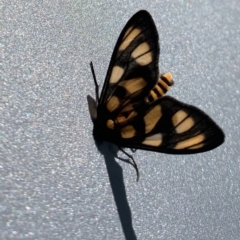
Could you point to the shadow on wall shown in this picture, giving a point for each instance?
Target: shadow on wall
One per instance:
(115, 174)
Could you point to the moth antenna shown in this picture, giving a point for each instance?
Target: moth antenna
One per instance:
(95, 82)
(133, 162)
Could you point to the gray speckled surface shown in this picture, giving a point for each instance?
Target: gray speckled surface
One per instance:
(54, 183)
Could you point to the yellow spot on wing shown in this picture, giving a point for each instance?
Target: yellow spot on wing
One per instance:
(189, 143)
(185, 125)
(133, 85)
(152, 117)
(127, 32)
(110, 124)
(154, 140)
(128, 131)
(178, 117)
(144, 59)
(113, 103)
(127, 107)
(130, 37)
(122, 119)
(142, 55)
(197, 146)
(182, 122)
(116, 74)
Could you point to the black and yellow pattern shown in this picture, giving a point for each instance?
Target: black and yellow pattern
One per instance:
(164, 83)
(133, 110)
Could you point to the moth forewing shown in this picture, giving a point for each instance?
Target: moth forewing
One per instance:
(134, 60)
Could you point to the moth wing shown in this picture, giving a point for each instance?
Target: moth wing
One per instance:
(133, 69)
(170, 126)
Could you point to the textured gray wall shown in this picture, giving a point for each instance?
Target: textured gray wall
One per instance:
(54, 183)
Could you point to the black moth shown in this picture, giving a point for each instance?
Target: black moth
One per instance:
(133, 110)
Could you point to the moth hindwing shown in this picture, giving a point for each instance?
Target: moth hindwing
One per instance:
(134, 112)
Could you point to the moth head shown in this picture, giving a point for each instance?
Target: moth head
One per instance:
(92, 106)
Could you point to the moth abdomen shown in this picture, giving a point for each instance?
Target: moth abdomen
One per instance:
(165, 81)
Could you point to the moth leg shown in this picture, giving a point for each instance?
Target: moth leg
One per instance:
(95, 82)
(133, 162)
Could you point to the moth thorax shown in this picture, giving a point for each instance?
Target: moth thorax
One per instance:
(110, 124)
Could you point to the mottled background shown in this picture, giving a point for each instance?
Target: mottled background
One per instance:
(55, 184)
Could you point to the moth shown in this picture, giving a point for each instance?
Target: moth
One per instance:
(133, 110)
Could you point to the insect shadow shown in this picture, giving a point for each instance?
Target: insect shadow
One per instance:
(115, 174)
